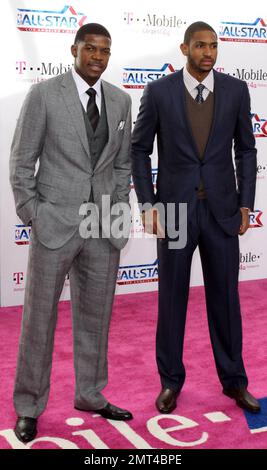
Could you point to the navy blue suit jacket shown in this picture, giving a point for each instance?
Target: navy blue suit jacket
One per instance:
(163, 114)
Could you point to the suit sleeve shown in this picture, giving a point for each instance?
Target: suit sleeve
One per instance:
(122, 164)
(245, 153)
(142, 147)
(25, 149)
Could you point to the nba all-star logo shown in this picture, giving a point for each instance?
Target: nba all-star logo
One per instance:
(138, 273)
(259, 125)
(244, 32)
(138, 77)
(255, 219)
(66, 20)
(22, 234)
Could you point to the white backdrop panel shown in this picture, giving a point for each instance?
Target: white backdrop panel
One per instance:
(36, 36)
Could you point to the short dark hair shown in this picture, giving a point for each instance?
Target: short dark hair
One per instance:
(91, 28)
(194, 27)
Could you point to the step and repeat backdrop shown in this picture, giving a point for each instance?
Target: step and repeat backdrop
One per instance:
(36, 36)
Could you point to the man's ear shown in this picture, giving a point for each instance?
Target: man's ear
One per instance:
(74, 50)
(184, 49)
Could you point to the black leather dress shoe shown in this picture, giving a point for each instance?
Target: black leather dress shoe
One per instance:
(26, 428)
(243, 398)
(166, 401)
(111, 412)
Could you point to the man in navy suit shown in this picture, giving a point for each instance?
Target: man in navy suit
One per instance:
(197, 114)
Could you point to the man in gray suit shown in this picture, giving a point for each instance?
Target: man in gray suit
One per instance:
(77, 127)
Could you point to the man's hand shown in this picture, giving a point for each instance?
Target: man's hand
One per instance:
(151, 222)
(245, 220)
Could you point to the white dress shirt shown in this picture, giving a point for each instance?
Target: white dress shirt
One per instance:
(191, 83)
(82, 87)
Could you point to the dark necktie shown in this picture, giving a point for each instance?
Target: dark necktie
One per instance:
(92, 109)
(199, 98)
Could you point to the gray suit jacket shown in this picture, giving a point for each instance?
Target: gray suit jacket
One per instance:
(51, 130)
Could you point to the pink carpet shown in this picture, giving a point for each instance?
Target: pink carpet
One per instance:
(204, 418)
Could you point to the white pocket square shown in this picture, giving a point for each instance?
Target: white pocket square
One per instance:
(121, 126)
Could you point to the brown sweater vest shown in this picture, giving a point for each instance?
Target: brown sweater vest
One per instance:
(200, 119)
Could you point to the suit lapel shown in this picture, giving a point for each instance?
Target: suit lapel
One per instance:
(72, 101)
(112, 119)
(178, 97)
(218, 110)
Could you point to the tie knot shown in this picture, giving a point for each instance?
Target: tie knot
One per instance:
(91, 92)
(200, 87)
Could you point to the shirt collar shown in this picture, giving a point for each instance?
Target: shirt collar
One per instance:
(191, 83)
(82, 85)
